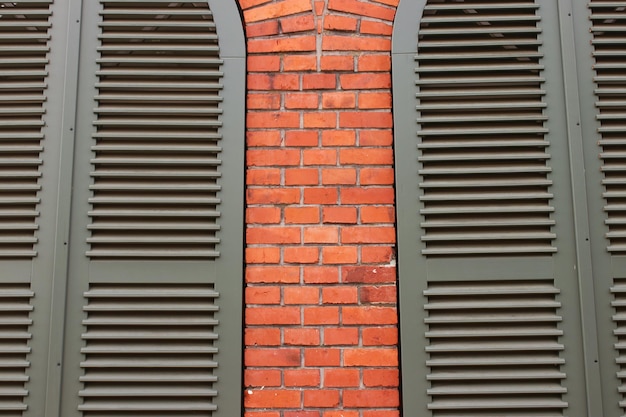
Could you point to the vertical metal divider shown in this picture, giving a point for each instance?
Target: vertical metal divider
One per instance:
(581, 216)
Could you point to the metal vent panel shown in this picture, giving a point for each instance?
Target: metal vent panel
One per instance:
(484, 172)
(494, 349)
(15, 321)
(619, 320)
(608, 27)
(156, 154)
(149, 350)
(24, 47)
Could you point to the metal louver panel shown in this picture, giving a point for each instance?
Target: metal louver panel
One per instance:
(15, 308)
(619, 319)
(609, 36)
(156, 152)
(494, 349)
(483, 155)
(24, 27)
(149, 349)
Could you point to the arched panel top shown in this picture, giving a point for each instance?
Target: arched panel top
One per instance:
(406, 26)
(231, 35)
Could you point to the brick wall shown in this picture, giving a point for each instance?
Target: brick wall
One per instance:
(321, 319)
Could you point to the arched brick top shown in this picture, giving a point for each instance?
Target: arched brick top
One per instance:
(321, 319)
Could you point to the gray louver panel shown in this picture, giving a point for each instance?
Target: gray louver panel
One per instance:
(494, 349)
(619, 319)
(483, 156)
(23, 60)
(156, 153)
(609, 38)
(15, 308)
(149, 349)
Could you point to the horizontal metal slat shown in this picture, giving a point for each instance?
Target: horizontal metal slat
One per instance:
(147, 392)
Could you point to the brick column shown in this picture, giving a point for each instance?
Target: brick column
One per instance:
(321, 319)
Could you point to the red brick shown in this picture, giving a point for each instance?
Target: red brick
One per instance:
(321, 315)
(339, 255)
(364, 119)
(322, 357)
(368, 274)
(338, 138)
(261, 414)
(246, 4)
(297, 24)
(370, 398)
(272, 357)
(273, 157)
(378, 294)
(272, 196)
(301, 413)
(346, 215)
(301, 255)
(319, 157)
(370, 357)
(272, 398)
(337, 63)
(321, 398)
(339, 100)
(263, 295)
(341, 378)
(263, 101)
(348, 336)
(366, 156)
(301, 101)
(263, 63)
(262, 337)
(349, 43)
(369, 315)
(260, 235)
(360, 8)
(380, 336)
(320, 275)
(374, 62)
(301, 138)
(301, 295)
(343, 23)
(375, 138)
(376, 176)
(339, 295)
(367, 196)
(363, 234)
(365, 80)
(272, 315)
(381, 377)
(374, 101)
(322, 234)
(376, 254)
(263, 138)
(273, 119)
(302, 377)
(302, 337)
(262, 378)
(381, 413)
(318, 81)
(301, 176)
(327, 195)
(299, 63)
(319, 7)
(289, 44)
(273, 274)
(277, 9)
(375, 28)
(262, 29)
(320, 120)
(337, 176)
(302, 215)
(262, 255)
(341, 413)
(263, 177)
(262, 215)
